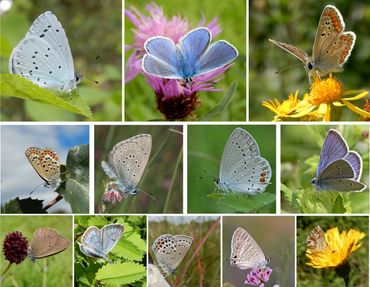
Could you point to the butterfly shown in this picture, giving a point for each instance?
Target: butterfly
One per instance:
(332, 46)
(245, 252)
(242, 168)
(316, 240)
(170, 250)
(46, 242)
(46, 164)
(192, 56)
(127, 162)
(97, 243)
(339, 169)
(44, 57)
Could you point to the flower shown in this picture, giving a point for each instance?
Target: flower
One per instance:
(258, 276)
(325, 101)
(337, 250)
(111, 195)
(15, 247)
(156, 24)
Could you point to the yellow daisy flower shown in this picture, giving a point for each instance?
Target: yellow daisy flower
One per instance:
(337, 249)
(327, 97)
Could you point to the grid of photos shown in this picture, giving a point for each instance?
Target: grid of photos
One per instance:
(175, 143)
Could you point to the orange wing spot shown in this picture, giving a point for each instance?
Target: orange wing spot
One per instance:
(262, 180)
(349, 40)
(334, 19)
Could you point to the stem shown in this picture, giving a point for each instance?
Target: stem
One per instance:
(174, 174)
(5, 271)
(197, 250)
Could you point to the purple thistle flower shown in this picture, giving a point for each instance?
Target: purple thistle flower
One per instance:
(258, 276)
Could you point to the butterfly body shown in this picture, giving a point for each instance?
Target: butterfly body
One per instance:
(339, 168)
(46, 242)
(316, 240)
(242, 169)
(127, 162)
(192, 56)
(332, 46)
(46, 164)
(44, 57)
(245, 252)
(170, 250)
(97, 243)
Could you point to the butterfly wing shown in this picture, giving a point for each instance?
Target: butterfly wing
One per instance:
(193, 46)
(161, 58)
(47, 242)
(164, 248)
(46, 164)
(242, 169)
(109, 170)
(334, 148)
(218, 55)
(111, 234)
(296, 52)
(183, 244)
(355, 161)
(44, 55)
(92, 243)
(332, 46)
(245, 252)
(130, 157)
(316, 240)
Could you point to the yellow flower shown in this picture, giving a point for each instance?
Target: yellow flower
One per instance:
(326, 98)
(337, 249)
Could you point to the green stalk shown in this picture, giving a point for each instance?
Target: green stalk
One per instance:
(5, 271)
(173, 179)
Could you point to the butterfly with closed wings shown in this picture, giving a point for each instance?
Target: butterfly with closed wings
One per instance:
(339, 168)
(245, 252)
(242, 169)
(44, 57)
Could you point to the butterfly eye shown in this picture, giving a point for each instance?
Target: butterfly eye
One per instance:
(309, 66)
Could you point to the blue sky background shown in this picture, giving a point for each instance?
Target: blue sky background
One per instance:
(18, 178)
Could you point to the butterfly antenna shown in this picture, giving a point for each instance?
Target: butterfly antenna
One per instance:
(35, 188)
(84, 68)
(148, 194)
(288, 68)
(207, 174)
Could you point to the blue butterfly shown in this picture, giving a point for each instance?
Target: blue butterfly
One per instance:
(193, 56)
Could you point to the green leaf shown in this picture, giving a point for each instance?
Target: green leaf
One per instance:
(76, 188)
(120, 274)
(246, 203)
(339, 205)
(222, 105)
(19, 87)
(215, 195)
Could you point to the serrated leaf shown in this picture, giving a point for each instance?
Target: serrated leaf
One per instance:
(136, 239)
(222, 104)
(120, 274)
(338, 205)
(19, 87)
(288, 193)
(128, 250)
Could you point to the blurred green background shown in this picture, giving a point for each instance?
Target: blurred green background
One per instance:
(205, 147)
(205, 268)
(358, 261)
(57, 268)
(140, 100)
(300, 152)
(295, 23)
(275, 236)
(161, 178)
(93, 29)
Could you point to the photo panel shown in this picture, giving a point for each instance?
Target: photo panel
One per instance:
(307, 61)
(231, 169)
(333, 250)
(184, 250)
(138, 169)
(36, 250)
(110, 250)
(325, 171)
(258, 250)
(45, 168)
(61, 61)
(189, 65)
